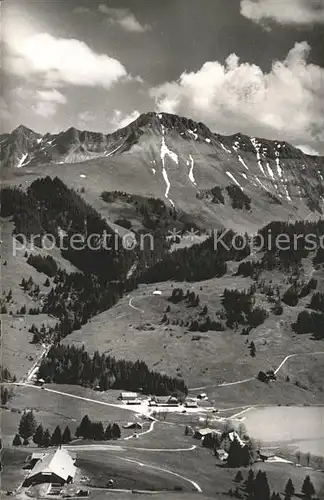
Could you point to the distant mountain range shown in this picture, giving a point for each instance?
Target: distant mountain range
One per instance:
(180, 161)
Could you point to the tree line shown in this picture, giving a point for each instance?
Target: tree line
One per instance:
(198, 262)
(87, 429)
(72, 365)
(201, 323)
(241, 310)
(256, 487)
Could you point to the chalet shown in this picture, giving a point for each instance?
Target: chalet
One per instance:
(191, 404)
(32, 459)
(203, 395)
(167, 401)
(133, 425)
(202, 433)
(265, 455)
(56, 467)
(221, 455)
(128, 396)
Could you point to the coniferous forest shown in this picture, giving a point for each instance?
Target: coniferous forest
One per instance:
(72, 365)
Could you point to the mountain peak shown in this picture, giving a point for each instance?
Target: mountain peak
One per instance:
(22, 130)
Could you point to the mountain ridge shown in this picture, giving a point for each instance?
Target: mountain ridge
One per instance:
(178, 160)
(99, 144)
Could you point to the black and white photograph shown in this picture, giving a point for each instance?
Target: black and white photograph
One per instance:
(162, 249)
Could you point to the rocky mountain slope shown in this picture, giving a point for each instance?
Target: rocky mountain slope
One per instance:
(179, 161)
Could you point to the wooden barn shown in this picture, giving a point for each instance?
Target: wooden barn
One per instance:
(57, 467)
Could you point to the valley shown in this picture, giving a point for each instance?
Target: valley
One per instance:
(233, 335)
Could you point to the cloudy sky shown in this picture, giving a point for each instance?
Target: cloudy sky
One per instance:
(254, 66)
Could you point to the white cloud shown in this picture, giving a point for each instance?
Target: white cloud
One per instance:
(86, 116)
(124, 18)
(284, 12)
(44, 102)
(308, 150)
(52, 96)
(120, 120)
(60, 60)
(287, 102)
(4, 109)
(47, 109)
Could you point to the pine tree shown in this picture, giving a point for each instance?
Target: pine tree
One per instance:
(116, 433)
(56, 436)
(39, 435)
(97, 431)
(239, 477)
(249, 482)
(289, 489)
(308, 488)
(238, 456)
(16, 440)
(108, 432)
(261, 487)
(46, 438)
(27, 426)
(4, 395)
(66, 436)
(84, 429)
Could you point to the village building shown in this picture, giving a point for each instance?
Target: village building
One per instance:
(167, 401)
(128, 396)
(133, 425)
(56, 467)
(32, 459)
(203, 395)
(191, 404)
(202, 433)
(265, 454)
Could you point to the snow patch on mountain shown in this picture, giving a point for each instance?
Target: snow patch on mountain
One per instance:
(231, 176)
(261, 184)
(287, 193)
(195, 136)
(257, 147)
(114, 151)
(243, 162)
(225, 148)
(279, 169)
(191, 175)
(21, 162)
(270, 171)
(164, 152)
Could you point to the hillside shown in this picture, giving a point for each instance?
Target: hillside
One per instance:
(167, 176)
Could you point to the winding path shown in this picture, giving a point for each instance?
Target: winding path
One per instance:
(244, 381)
(134, 307)
(155, 467)
(297, 354)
